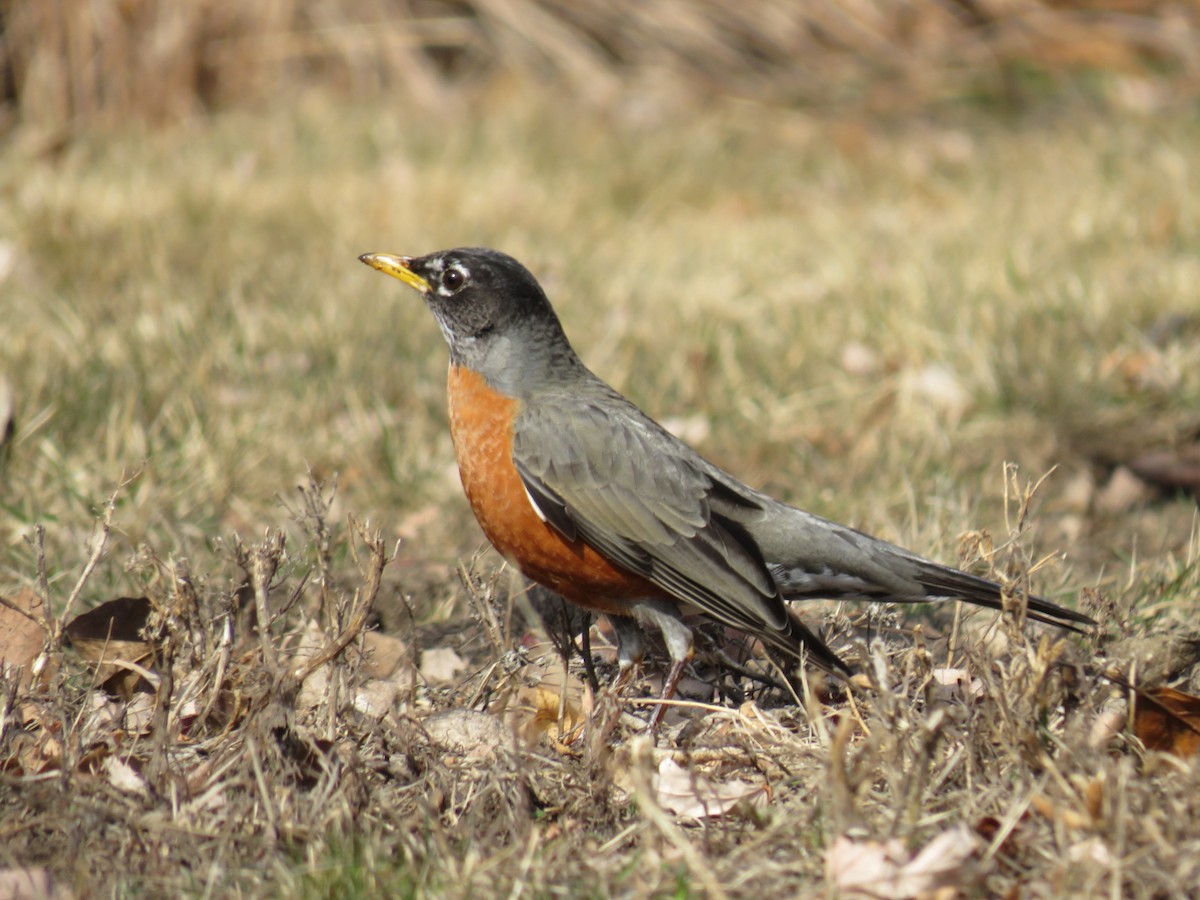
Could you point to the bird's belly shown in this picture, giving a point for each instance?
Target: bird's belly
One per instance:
(481, 426)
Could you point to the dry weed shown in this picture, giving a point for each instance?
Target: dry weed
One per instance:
(73, 61)
(255, 735)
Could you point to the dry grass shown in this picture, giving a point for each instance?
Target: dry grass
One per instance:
(868, 319)
(72, 62)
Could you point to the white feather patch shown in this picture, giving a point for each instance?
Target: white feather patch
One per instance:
(537, 509)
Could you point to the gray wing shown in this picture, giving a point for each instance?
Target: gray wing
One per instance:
(607, 474)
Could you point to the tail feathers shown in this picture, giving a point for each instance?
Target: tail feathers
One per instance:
(939, 581)
(916, 581)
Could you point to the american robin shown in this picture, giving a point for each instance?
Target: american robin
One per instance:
(589, 496)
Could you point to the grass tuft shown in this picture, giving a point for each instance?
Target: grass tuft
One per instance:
(897, 325)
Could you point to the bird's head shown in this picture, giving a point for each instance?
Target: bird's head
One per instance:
(493, 313)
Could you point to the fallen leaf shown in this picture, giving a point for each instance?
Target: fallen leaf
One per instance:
(195, 684)
(1168, 720)
(884, 869)
(139, 714)
(33, 754)
(123, 776)
(111, 634)
(691, 795)
(21, 634)
(545, 710)
(101, 717)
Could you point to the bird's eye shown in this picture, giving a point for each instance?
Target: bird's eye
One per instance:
(453, 280)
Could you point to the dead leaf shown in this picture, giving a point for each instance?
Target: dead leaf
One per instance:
(190, 705)
(35, 753)
(21, 633)
(139, 713)
(111, 634)
(541, 706)
(691, 795)
(101, 717)
(1168, 720)
(123, 776)
(884, 869)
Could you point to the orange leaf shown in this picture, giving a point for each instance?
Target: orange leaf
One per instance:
(1168, 720)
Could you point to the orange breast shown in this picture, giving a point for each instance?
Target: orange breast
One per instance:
(481, 421)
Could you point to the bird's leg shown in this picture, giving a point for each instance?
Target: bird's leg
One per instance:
(668, 691)
(680, 646)
(631, 648)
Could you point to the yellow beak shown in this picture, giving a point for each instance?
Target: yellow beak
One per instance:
(397, 267)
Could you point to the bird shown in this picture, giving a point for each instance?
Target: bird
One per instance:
(589, 496)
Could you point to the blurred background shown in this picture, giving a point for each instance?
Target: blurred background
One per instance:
(896, 242)
(65, 64)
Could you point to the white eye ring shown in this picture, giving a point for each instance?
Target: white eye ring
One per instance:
(453, 280)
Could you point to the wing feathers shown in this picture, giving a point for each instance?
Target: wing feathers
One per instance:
(643, 500)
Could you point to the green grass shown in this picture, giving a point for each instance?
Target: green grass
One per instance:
(186, 311)
(190, 301)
